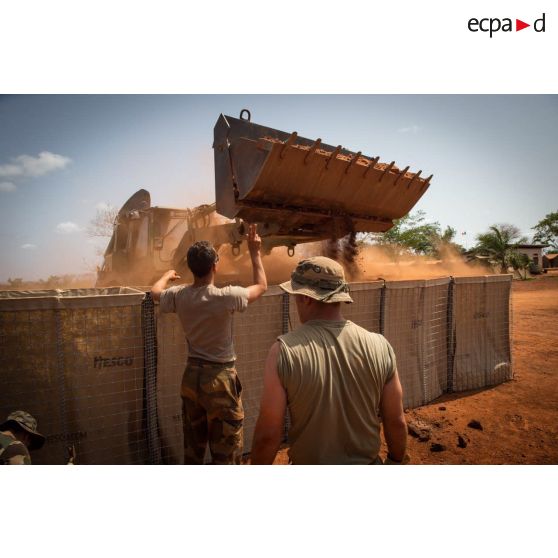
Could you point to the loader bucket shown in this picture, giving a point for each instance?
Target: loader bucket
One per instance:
(303, 189)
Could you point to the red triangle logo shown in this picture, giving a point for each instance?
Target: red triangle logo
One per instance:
(519, 25)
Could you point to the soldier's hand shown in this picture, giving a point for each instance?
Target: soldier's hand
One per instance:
(254, 240)
(405, 461)
(172, 275)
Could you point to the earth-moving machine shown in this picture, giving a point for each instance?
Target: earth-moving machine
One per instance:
(297, 190)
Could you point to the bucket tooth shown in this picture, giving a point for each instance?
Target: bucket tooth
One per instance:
(415, 176)
(333, 156)
(425, 184)
(312, 150)
(387, 169)
(288, 143)
(372, 164)
(402, 173)
(353, 161)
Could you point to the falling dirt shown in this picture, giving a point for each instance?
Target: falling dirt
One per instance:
(331, 248)
(361, 262)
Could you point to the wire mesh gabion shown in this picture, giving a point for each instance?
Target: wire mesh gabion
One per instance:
(101, 368)
(74, 360)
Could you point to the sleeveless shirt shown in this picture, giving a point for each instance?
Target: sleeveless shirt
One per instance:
(333, 373)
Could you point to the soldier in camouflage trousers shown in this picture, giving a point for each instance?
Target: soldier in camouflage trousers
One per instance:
(212, 407)
(213, 412)
(18, 435)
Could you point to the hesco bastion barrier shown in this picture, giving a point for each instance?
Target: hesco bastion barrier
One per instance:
(74, 359)
(101, 368)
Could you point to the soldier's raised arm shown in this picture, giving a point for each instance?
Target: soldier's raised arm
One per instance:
(259, 287)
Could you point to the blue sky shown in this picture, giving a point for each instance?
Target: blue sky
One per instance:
(493, 158)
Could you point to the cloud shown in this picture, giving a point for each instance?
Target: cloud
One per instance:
(27, 165)
(7, 186)
(28, 246)
(67, 228)
(102, 206)
(414, 129)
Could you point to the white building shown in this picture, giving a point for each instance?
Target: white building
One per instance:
(533, 251)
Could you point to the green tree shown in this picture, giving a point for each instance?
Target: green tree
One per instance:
(499, 243)
(447, 240)
(413, 232)
(546, 230)
(520, 262)
(448, 235)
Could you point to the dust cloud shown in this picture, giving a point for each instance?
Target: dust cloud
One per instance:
(361, 263)
(385, 262)
(278, 264)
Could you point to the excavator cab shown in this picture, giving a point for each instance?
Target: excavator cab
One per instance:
(148, 241)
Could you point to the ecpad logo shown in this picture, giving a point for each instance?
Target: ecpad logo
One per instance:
(493, 25)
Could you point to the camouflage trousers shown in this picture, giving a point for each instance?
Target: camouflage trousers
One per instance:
(213, 412)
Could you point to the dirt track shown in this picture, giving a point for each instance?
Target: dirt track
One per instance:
(519, 419)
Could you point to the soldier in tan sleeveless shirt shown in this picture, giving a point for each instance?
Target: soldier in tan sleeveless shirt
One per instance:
(336, 378)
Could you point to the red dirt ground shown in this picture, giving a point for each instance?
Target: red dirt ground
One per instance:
(520, 417)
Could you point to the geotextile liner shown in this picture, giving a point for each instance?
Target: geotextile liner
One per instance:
(101, 368)
(74, 360)
(481, 332)
(416, 326)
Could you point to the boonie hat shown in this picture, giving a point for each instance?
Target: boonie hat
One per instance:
(28, 423)
(319, 278)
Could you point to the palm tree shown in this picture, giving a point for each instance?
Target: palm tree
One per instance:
(499, 244)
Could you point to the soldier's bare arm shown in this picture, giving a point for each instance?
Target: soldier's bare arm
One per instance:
(270, 424)
(260, 281)
(16, 454)
(393, 419)
(162, 283)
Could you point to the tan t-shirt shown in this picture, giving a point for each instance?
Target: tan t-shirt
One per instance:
(206, 315)
(334, 373)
